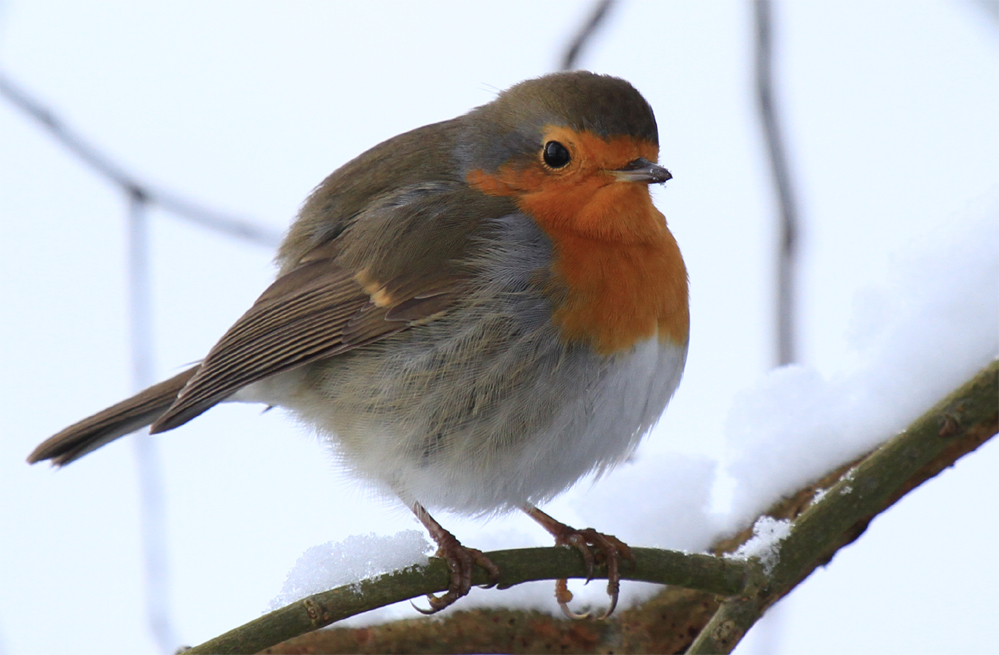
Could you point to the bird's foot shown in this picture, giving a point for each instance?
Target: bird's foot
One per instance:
(596, 548)
(461, 560)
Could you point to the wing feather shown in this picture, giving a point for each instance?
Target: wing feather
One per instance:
(315, 311)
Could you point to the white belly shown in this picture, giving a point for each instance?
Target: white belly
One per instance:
(584, 416)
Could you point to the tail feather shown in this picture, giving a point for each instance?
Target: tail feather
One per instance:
(104, 427)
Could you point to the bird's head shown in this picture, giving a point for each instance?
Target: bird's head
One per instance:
(576, 150)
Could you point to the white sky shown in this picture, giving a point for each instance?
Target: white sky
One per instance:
(891, 109)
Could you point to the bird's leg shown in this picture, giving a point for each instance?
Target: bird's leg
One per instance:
(460, 560)
(609, 550)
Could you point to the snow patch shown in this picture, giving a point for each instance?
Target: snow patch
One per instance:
(768, 533)
(356, 558)
(933, 326)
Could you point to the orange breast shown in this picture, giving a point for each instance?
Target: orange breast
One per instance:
(617, 295)
(618, 277)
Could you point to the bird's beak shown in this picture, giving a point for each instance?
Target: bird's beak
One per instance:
(642, 170)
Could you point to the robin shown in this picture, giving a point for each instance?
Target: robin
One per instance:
(475, 314)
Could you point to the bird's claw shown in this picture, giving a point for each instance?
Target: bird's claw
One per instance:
(461, 560)
(609, 551)
(564, 596)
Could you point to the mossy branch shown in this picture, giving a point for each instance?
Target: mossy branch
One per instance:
(956, 425)
(725, 597)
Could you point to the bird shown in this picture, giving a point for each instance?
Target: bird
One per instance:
(474, 315)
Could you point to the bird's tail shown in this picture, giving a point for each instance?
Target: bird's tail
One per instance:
(116, 421)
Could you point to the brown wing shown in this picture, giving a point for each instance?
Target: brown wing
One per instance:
(316, 310)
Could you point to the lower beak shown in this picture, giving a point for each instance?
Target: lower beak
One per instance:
(642, 170)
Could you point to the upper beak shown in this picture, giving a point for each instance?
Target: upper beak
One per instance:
(642, 170)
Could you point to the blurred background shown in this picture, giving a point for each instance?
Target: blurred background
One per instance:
(889, 114)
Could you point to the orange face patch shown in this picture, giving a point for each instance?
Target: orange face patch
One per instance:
(615, 257)
(584, 195)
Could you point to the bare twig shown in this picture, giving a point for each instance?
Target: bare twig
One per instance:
(132, 186)
(571, 56)
(150, 479)
(788, 239)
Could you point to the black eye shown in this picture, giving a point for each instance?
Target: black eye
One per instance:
(556, 154)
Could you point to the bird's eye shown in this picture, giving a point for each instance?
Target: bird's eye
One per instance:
(556, 155)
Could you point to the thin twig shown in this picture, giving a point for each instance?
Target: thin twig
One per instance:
(788, 233)
(130, 184)
(586, 31)
(150, 479)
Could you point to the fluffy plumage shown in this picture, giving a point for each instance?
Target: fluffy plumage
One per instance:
(469, 324)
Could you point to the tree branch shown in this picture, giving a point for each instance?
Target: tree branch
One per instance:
(705, 572)
(957, 425)
(780, 170)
